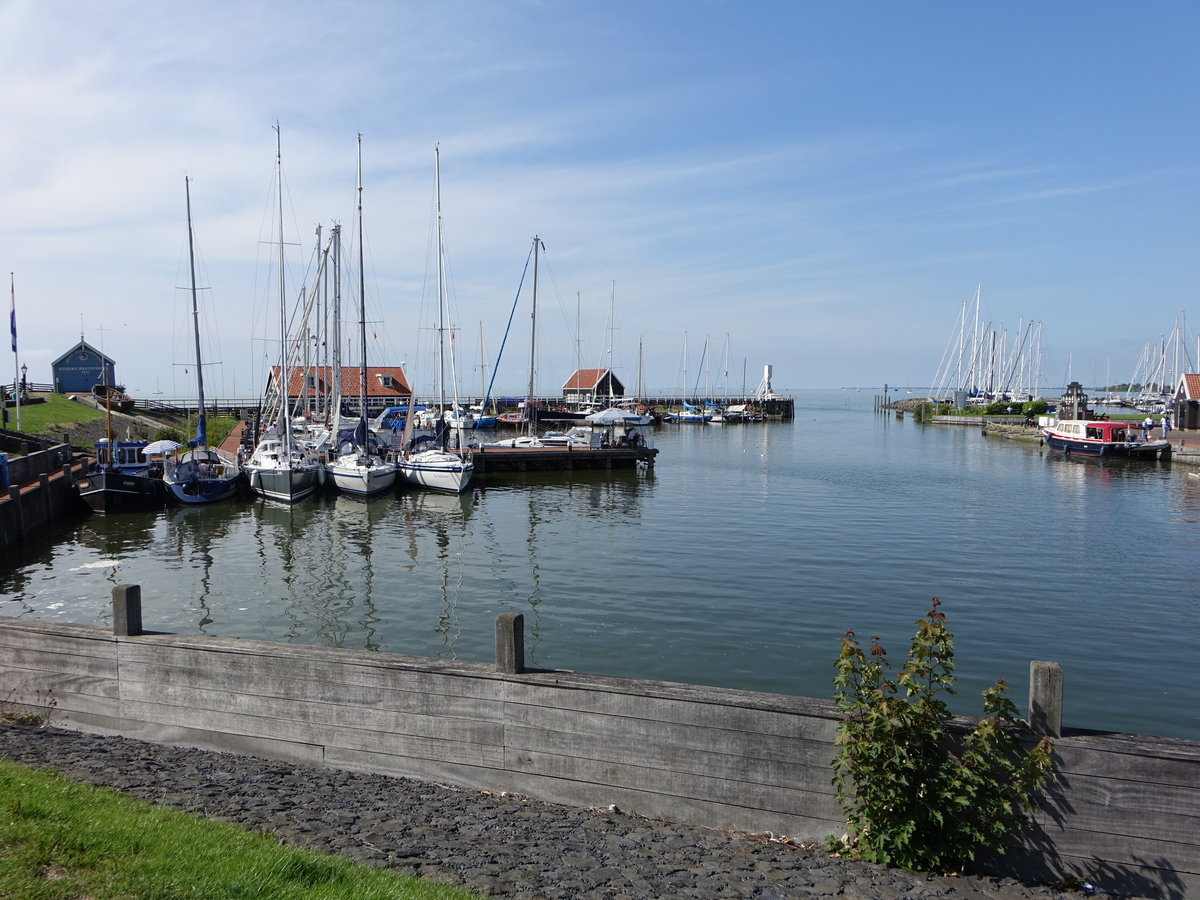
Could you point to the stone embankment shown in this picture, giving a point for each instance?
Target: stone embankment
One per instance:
(500, 845)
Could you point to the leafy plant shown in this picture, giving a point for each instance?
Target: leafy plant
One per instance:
(916, 791)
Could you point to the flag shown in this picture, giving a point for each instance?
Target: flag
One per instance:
(12, 318)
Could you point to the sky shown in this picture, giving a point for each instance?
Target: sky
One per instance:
(718, 186)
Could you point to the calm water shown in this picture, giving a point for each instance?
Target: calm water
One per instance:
(738, 561)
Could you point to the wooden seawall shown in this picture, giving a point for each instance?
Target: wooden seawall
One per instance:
(1122, 813)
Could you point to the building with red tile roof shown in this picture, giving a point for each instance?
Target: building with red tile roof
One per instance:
(386, 385)
(592, 384)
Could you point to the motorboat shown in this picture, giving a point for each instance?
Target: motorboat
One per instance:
(1103, 438)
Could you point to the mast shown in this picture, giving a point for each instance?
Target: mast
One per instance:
(201, 429)
(285, 425)
(637, 400)
(612, 302)
(440, 428)
(335, 388)
(362, 310)
(530, 408)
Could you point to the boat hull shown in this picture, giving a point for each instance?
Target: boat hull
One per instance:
(437, 470)
(208, 490)
(363, 481)
(288, 485)
(118, 492)
(202, 476)
(1108, 449)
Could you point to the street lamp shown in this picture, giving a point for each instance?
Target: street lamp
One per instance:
(24, 369)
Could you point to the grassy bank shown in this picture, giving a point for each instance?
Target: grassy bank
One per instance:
(60, 839)
(57, 415)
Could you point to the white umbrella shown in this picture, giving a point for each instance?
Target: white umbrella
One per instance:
(160, 447)
(610, 416)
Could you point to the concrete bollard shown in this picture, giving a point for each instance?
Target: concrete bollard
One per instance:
(127, 610)
(510, 643)
(1045, 698)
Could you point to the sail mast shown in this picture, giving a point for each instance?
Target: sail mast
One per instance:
(530, 415)
(201, 429)
(440, 428)
(285, 430)
(362, 308)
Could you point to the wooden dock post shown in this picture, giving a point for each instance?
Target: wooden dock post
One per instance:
(510, 643)
(1045, 698)
(127, 610)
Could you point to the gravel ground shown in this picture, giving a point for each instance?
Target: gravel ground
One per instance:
(500, 845)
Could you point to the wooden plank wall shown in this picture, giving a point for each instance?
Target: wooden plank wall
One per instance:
(1124, 814)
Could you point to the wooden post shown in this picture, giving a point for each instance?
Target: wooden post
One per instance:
(127, 610)
(510, 643)
(1045, 698)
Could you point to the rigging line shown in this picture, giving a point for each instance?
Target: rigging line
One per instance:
(511, 312)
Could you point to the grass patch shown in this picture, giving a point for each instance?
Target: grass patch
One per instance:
(57, 414)
(60, 840)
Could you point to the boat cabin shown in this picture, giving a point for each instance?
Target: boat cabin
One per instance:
(1118, 432)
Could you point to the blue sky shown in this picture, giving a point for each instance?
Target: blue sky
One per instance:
(817, 186)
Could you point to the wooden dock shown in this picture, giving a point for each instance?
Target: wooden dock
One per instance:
(559, 459)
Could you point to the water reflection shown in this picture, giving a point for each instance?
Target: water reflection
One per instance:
(443, 518)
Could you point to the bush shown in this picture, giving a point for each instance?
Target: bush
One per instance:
(1035, 408)
(915, 793)
(168, 434)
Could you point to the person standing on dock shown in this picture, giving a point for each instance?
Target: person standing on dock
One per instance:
(1147, 424)
(1166, 424)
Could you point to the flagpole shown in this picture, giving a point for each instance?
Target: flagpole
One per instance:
(12, 319)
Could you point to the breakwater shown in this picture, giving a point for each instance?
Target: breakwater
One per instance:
(1120, 814)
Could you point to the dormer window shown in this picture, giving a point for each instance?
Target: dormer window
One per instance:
(385, 380)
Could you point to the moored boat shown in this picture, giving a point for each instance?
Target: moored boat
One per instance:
(436, 468)
(121, 479)
(202, 475)
(1103, 438)
(360, 467)
(280, 468)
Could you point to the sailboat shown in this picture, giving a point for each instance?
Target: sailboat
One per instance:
(359, 468)
(279, 468)
(202, 474)
(436, 467)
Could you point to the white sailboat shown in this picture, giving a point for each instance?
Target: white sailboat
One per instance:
(359, 468)
(203, 474)
(279, 468)
(436, 467)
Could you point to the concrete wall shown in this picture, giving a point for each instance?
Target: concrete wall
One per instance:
(1123, 815)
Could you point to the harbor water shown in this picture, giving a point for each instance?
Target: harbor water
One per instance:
(738, 560)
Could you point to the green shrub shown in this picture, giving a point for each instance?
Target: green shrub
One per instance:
(1035, 408)
(168, 434)
(916, 793)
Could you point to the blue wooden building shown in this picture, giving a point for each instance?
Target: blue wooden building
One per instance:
(80, 369)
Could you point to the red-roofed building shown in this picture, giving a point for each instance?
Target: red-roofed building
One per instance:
(386, 386)
(587, 385)
(1187, 402)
